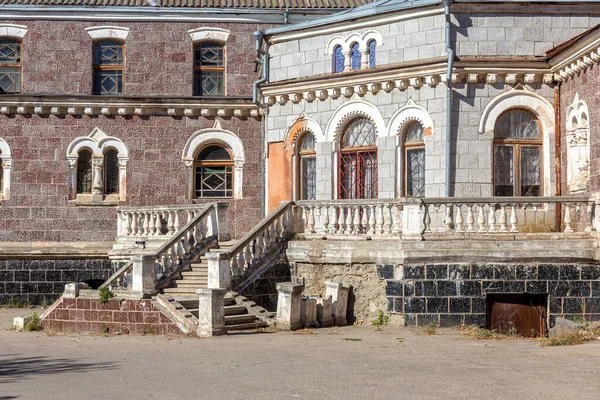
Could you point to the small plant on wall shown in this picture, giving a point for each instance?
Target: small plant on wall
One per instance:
(105, 294)
(382, 320)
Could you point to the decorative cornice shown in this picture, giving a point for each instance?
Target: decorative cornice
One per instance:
(401, 77)
(125, 106)
(576, 57)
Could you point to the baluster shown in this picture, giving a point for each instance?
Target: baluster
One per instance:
(145, 224)
(480, 218)
(395, 218)
(356, 220)
(448, 220)
(427, 219)
(134, 228)
(513, 218)
(190, 216)
(166, 261)
(492, 218)
(348, 220)
(567, 219)
(157, 224)
(279, 225)
(248, 255)
(588, 223)
(325, 218)
(151, 228)
(372, 220)
(503, 226)
(187, 243)
(379, 217)
(176, 224)
(387, 221)
(459, 219)
(340, 221)
(364, 219)
(234, 266)
(311, 219)
(470, 218)
(180, 250)
(260, 245)
(170, 223)
(127, 224)
(173, 256)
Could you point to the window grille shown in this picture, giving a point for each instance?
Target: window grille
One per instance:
(10, 66)
(209, 70)
(372, 53)
(358, 161)
(213, 173)
(108, 68)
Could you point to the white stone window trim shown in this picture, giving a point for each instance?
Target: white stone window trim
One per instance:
(308, 124)
(12, 30)
(108, 32)
(355, 107)
(347, 42)
(578, 145)
(208, 34)
(98, 143)
(215, 135)
(540, 107)
(6, 165)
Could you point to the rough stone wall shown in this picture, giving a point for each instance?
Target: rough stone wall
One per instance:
(516, 35)
(404, 41)
(39, 281)
(83, 315)
(159, 57)
(585, 84)
(38, 209)
(455, 294)
(367, 294)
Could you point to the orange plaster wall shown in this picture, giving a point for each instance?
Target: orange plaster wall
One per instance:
(280, 174)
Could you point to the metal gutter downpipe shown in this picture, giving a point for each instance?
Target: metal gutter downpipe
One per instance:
(258, 35)
(450, 52)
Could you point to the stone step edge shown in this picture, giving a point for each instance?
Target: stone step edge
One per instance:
(254, 309)
(178, 314)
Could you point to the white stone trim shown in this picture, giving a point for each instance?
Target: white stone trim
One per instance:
(308, 125)
(6, 165)
(334, 42)
(372, 35)
(207, 34)
(534, 103)
(108, 32)
(12, 30)
(410, 112)
(578, 145)
(354, 107)
(98, 143)
(218, 135)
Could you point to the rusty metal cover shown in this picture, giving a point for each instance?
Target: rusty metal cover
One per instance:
(524, 313)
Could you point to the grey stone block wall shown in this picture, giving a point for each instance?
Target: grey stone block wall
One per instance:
(37, 281)
(454, 294)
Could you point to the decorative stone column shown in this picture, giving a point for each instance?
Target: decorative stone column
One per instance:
(123, 178)
(339, 296)
(97, 180)
(289, 305)
(219, 270)
(238, 177)
(72, 180)
(211, 312)
(5, 188)
(143, 275)
(364, 57)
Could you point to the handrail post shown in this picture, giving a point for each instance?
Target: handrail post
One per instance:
(143, 275)
(219, 270)
(412, 220)
(222, 211)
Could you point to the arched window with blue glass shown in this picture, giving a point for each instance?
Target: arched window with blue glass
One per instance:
(338, 59)
(372, 48)
(355, 55)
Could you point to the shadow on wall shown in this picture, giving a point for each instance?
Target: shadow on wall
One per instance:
(350, 310)
(14, 367)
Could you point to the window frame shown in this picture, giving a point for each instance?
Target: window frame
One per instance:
(91, 172)
(18, 66)
(105, 172)
(369, 42)
(213, 163)
(303, 154)
(358, 152)
(406, 146)
(357, 44)
(334, 59)
(517, 144)
(199, 69)
(112, 67)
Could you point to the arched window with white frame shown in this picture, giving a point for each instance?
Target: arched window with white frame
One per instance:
(414, 160)
(358, 160)
(307, 166)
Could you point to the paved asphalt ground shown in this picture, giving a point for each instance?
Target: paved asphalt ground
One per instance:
(319, 364)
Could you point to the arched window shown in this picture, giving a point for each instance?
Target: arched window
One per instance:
(108, 68)
(414, 160)
(338, 59)
(10, 66)
(355, 56)
(358, 161)
(307, 167)
(517, 154)
(213, 170)
(209, 69)
(111, 172)
(84, 172)
(372, 48)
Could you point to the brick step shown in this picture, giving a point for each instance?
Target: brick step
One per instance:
(250, 325)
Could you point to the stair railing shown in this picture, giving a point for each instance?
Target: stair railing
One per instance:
(120, 280)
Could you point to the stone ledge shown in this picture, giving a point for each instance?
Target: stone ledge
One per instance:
(54, 250)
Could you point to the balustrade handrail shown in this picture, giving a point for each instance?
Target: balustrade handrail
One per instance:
(120, 272)
(508, 200)
(177, 236)
(182, 207)
(252, 234)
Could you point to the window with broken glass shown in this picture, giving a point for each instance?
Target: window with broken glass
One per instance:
(84, 172)
(10, 66)
(307, 167)
(358, 161)
(209, 69)
(213, 172)
(111, 172)
(108, 68)
(414, 160)
(517, 155)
